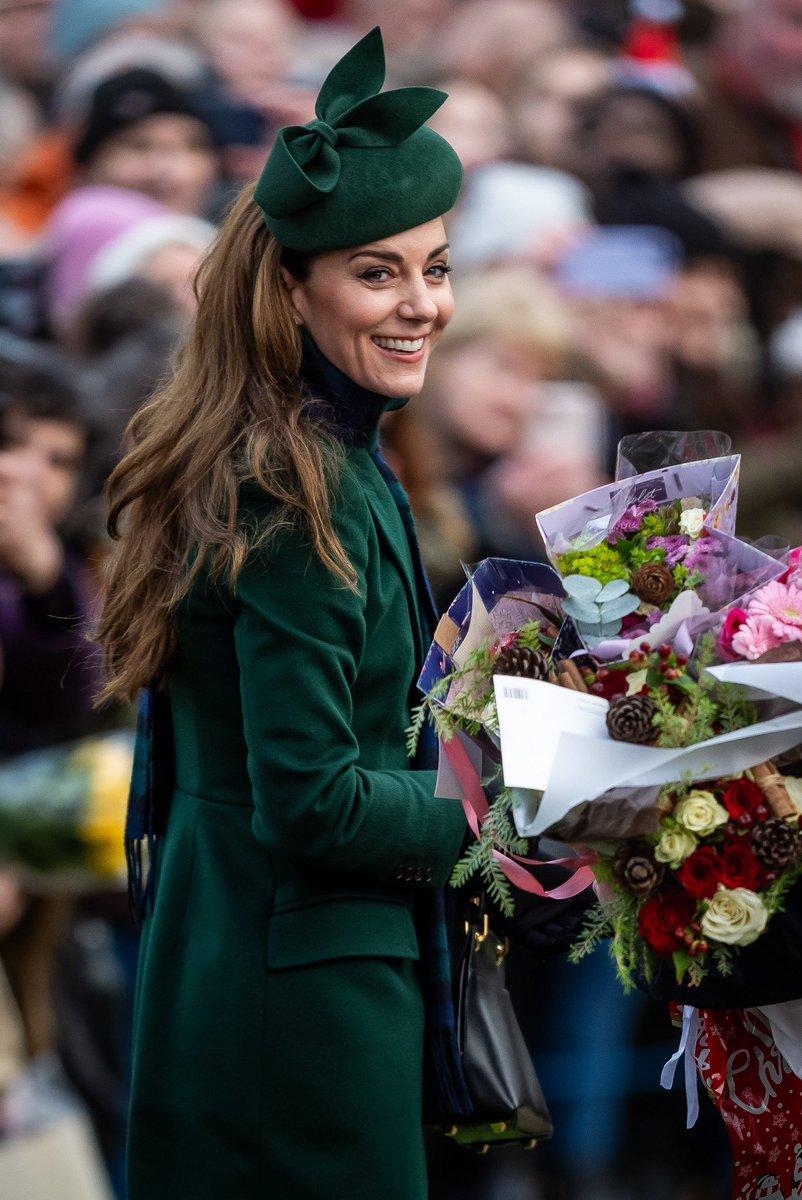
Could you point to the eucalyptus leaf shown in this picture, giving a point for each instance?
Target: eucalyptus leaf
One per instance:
(582, 587)
(581, 610)
(610, 628)
(619, 608)
(612, 590)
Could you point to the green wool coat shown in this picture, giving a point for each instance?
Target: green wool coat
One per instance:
(278, 1014)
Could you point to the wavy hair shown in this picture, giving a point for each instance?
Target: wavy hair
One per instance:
(231, 410)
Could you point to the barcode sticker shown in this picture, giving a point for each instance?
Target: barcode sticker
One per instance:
(515, 693)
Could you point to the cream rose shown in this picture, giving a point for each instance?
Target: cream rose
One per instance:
(736, 916)
(674, 847)
(691, 522)
(700, 813)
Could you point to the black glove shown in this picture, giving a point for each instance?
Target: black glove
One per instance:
(544, 926)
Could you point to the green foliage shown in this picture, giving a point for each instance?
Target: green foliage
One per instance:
(600, 562)
(684, 725)
(640, 556)
(497, 833)
(734, 710)
(529, 636)
(662, 523)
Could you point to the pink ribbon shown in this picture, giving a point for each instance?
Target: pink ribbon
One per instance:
(474, 802)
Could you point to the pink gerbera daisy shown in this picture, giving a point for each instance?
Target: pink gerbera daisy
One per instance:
(780, 601)
(755, 637)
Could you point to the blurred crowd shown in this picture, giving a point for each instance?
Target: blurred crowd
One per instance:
(627, 255)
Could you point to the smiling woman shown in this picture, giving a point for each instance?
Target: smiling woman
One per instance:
(267, 593)
(377, 311)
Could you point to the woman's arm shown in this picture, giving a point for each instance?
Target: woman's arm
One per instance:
(299, 637)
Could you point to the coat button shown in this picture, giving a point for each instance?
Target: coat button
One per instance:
(420, 875)
(398, 873)
(428, 874)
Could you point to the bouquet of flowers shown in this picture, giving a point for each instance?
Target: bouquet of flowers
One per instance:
(62, 810)
(724, 851)
(646, 555)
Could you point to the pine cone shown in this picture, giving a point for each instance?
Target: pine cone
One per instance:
(629, 719)
(654, 583)
(776, 843)
(519, 660)
(636, 870)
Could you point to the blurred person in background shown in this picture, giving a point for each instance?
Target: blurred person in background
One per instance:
(550, 103)
(78, 25)
(717, 353)
(25, 51)
(752, 76)
(150, 136)
(409, 27)
(474, 121)
(770, 495)
(101, 236)
(619, 283)
(513, 212)
(636, 145)
(252, 47)
(489, 402)
(46, 588)
(497, 44)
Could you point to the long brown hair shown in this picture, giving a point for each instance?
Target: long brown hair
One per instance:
(231, 410)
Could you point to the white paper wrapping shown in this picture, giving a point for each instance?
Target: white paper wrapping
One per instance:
(584, 768)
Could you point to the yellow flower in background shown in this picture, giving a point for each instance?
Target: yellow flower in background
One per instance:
(107, 760)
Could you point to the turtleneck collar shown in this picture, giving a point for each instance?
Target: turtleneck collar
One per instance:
(353, 410)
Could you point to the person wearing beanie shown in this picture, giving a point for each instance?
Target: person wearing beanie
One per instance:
(149, 135)
(100, 236)
(265, 599)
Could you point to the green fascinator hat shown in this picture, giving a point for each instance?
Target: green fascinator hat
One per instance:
(365, 168)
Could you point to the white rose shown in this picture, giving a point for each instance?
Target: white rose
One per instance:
(736, 916)
(674, 847)
(700, 813)
(691, 522)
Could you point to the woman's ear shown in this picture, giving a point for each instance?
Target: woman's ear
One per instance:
(292, 286)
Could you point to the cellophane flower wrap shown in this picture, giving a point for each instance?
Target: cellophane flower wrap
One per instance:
(644, 556)
(507, 618)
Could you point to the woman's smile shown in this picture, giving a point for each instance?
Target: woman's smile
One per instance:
(410, 350)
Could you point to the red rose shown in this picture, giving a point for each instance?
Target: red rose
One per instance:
(745, 802)
(700, 874)
(740, 866)
(662, 921)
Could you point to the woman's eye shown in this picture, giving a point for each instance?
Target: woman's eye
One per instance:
(376, 274)
(441, 270)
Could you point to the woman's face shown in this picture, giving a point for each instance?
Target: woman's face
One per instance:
(376, 311)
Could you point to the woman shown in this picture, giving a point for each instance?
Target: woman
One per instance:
(266, 576)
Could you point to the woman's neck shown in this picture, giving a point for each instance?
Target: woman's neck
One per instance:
(353, 410)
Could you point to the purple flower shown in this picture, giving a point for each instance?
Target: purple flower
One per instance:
(631, 520)
(699, 552)
(676, 547)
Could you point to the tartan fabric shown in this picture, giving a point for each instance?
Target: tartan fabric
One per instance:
(148, 797)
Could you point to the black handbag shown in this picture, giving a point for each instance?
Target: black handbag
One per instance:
(509, 1105)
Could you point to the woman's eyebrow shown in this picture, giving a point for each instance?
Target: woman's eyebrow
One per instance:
(391, 256)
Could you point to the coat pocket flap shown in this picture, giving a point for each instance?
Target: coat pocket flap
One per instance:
(340, 927)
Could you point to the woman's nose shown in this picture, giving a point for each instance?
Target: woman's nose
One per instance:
(417, 304)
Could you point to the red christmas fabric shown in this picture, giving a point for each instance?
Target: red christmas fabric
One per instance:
(760, 1101)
